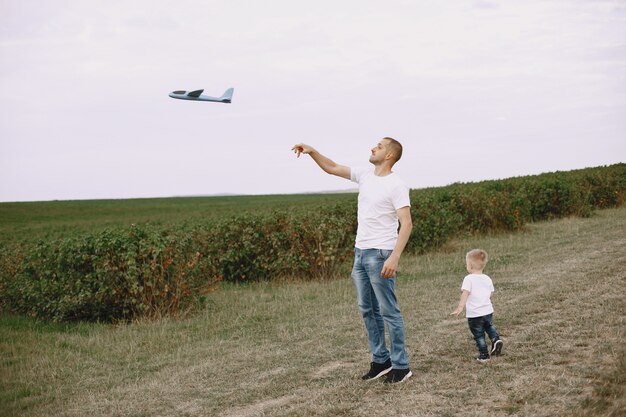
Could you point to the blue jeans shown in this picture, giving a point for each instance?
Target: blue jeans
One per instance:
(379, 306)
(478, 326)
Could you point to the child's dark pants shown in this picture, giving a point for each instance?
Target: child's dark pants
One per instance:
(478, 326)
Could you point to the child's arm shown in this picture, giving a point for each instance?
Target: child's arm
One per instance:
(462, 302)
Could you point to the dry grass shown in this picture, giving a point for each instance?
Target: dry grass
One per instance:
(299, 349)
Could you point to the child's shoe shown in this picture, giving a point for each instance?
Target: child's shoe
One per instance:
(482, 358)
(496, 347)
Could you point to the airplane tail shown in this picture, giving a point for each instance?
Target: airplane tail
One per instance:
(227, 96)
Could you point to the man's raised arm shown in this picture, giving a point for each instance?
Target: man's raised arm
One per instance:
(328, 165)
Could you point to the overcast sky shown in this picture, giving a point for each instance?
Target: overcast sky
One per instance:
(473, 89)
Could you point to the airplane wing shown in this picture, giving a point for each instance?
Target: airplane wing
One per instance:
(196, 93)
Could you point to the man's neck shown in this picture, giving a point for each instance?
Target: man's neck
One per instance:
(382, 170)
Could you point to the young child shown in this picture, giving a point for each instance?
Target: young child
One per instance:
(476, 298)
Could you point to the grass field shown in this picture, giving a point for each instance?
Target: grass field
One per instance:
(54, 219)
(298, 349)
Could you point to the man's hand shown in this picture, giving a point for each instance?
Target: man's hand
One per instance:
(327, 165)
(390, 266)
(302, 148)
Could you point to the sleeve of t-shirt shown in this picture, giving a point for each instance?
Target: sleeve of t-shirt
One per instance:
(356, 174)
(400, 197)
(467, 285)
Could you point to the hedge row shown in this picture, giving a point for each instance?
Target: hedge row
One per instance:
(148, 271)
(505, 205)
(153, 271)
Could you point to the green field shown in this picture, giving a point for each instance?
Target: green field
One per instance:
(270, 349)
(294, 345)
(58, 219)
(122, 260)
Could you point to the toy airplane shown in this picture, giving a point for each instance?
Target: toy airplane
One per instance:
(197, 95)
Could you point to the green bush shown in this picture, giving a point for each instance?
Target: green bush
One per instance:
(114, 275)
(154, 270)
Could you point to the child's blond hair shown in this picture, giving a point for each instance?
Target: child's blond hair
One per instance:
(476, 259)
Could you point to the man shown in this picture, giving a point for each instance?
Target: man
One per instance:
(383, 201)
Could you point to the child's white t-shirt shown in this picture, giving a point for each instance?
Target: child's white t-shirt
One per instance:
(480, 288)
(379, 198)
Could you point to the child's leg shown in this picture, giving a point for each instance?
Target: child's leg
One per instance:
(490, 328)
(496, 342)
(478, 331)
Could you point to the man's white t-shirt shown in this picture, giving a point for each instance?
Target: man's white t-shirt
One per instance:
(480, 288)
(379, 198)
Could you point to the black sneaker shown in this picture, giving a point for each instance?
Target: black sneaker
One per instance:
(482, 358)
(377, 370)
(496, 347)
(398, 375)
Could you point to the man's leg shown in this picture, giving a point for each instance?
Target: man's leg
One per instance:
(384, 289)
(370, 310)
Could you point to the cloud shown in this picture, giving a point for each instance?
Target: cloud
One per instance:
(86, 82)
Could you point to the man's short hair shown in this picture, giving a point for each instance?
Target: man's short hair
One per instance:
(395, 147)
